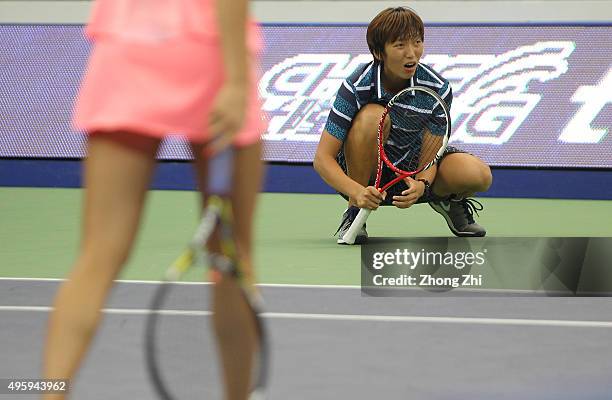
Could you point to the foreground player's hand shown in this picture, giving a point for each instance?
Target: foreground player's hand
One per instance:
(227, 114)
(411, 195)
(369, 198)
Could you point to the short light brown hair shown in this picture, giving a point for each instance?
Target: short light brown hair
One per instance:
(391, 24)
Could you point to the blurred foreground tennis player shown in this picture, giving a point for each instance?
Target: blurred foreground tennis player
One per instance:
(346, 157)
(158, 67)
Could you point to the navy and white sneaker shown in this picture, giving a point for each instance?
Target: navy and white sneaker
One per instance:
(347, 219)
(459, 215)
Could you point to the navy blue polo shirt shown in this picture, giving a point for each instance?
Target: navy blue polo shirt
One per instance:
(364, 86)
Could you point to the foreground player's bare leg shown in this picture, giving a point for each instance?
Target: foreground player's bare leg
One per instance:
(117, 175)
(234, 326)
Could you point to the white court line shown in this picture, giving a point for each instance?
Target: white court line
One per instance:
(279, 285)
(352, 317)
(537, 293)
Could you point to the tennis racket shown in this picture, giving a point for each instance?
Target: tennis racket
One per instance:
(413, 132)
(217, 215)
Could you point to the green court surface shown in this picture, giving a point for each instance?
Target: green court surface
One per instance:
(39, 231)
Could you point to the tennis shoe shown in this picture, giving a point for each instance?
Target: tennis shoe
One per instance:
(459, 215)
(347, 219)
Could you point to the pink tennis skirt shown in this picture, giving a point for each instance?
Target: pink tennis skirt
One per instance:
(157, 89)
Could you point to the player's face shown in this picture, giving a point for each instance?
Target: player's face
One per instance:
(401, 57)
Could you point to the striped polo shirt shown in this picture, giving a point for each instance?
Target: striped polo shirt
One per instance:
(364, 86)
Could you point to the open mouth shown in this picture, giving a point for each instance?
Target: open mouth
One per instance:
(410, 65)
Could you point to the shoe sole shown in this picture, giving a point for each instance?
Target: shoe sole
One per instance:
(358, 240)
(452, 229)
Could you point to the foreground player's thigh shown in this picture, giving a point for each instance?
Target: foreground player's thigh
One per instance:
(118, 171)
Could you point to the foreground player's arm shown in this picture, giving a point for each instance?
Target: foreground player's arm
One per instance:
(232, 26)
(327, 167)
(229, 108)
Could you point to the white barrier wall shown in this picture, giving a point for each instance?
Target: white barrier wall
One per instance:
(496, 11)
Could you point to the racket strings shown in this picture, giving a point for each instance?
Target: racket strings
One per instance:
(414, 137)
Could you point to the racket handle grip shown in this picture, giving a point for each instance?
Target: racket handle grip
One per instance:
(220, 172)
(350, 235)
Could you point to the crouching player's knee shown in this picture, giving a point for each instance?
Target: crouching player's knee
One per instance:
(484, 178)
(365, 124)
